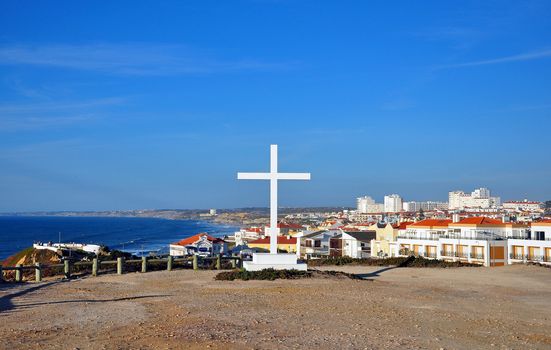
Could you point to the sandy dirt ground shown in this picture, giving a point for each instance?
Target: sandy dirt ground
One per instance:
(407, 308)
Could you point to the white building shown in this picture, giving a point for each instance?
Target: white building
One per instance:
(524, 205)
(366, 205)
(479, 198)
(393, 203)
(535, 247)
(479, 240)
(426, 206)
(357, 245)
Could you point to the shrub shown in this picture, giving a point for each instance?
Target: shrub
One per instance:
(410, 261)
(266, 274)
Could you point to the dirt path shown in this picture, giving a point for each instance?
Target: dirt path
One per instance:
(464, 308)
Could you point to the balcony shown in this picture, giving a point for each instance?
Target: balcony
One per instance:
(479, 236)
(477, 256)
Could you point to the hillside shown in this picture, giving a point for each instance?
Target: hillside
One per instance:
(30, 256)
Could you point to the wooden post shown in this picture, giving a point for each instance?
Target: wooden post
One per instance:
(38, 272)
(120, 265)
(95, 267)
(218, 262)
(144, 264)
(169, 263)
(19, 273)
(233, 262)
(67, 268)
(195, 262)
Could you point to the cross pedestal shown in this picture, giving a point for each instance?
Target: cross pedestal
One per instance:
(276, 261)
(273, 259)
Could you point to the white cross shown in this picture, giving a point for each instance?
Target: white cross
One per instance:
(273, 176)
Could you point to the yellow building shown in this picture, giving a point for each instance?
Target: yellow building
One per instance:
(385, 238)
(287, 244)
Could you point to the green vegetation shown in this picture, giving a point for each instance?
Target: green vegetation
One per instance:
(266, 275)
(400, 262)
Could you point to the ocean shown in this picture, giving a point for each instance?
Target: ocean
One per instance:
(133, 235)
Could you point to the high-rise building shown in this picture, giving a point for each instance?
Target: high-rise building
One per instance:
(393, 203)
(479, 198)
(366, 205)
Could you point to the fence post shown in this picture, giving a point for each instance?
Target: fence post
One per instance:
(19, 273)
(67, 268)
(119, 265)
(218, 262)
(233, 262)
(38, 272)
(169, 263)
(195, 262)
(144, 264)
(95, 267)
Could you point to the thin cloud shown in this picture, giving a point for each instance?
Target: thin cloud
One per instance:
(128, 59)
(47, 107)
(18, 117)
(514, 58)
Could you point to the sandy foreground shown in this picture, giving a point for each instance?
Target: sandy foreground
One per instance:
(411, 308)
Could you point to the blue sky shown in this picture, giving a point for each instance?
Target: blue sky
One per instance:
(126, 105)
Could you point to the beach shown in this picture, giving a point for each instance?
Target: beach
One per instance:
(410, 308)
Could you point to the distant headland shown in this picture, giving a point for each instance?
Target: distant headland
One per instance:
(237, 216)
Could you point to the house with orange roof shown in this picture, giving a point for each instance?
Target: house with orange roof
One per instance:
(201, 244)
(421, 238)
(479, 240)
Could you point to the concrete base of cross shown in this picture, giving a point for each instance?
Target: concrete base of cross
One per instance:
(263, 261)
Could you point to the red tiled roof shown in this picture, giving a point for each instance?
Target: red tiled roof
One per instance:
(402, 225)
(348, 228)
(197, 237)
(479, 220)
(432, 222)
(280, 240)
(291, 226)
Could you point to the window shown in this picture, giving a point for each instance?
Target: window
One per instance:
(539, 235)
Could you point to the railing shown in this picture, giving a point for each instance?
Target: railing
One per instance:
(516, 256)
(478, 237)
(525, 238)
(430, 237)
(451, 254)
(121, 264)
(538, 258)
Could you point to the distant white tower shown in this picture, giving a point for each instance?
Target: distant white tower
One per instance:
(393, 203)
